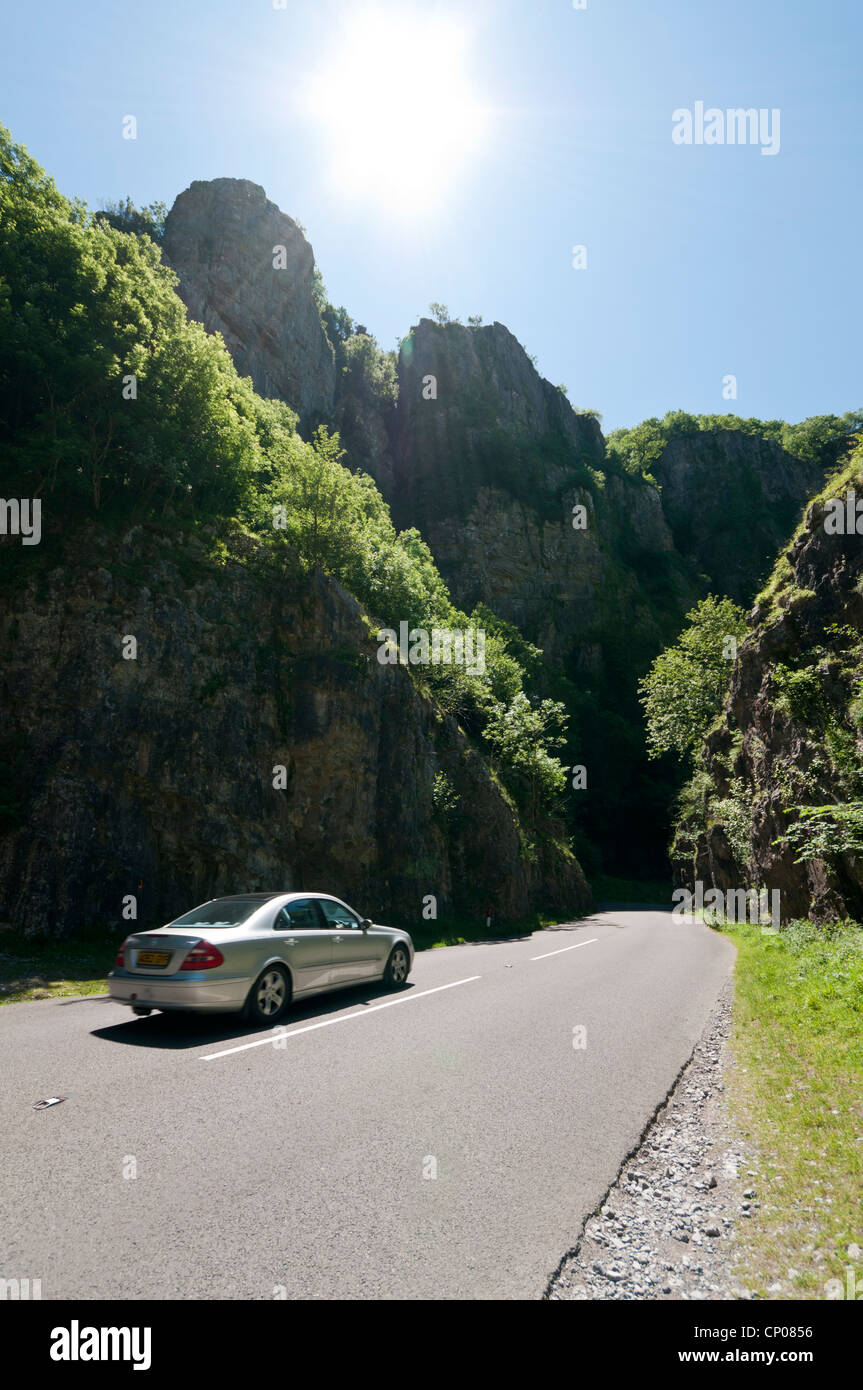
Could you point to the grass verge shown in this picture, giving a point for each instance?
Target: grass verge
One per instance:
(796, 1092)
(41, 968)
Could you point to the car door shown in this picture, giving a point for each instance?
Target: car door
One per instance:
(355, 952)
(306, 942)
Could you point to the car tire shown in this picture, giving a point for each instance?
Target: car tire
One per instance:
(270, 996)
(397, 967)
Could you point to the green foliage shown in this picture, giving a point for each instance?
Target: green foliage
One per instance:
(800, 693)
(148, 220)
(638, 449)
(370, 372)
(520, 734)
(440, 313)
(820, 439)
(682, 694)
(825, 831)
(82, 306)
(338, 324)
(445, 800)
(734, 813)
(694, 798)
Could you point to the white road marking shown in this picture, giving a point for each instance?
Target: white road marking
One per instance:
(566, 948)
(328, 1022)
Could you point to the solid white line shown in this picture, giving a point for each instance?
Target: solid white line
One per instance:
(566, 948)
(328, 1022)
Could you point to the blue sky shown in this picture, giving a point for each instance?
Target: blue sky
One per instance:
(702, 261)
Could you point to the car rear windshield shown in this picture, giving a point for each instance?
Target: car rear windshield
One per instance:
(223, 912)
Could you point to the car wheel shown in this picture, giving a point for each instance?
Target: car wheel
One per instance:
(270, 996)
(397, 967)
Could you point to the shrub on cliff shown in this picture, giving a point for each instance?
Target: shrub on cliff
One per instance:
(682, 693)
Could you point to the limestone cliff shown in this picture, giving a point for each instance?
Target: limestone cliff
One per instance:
(489, 460)
(791, 736)
(154, 776)
(223, 239)
(731, 501)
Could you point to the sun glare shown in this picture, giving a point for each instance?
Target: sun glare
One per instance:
(398, 110)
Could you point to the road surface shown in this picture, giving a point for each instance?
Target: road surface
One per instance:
(444, 1141)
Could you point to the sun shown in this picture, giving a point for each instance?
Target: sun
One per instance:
(396, 104)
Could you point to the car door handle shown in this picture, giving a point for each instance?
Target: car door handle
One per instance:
(292, 941)
(336, 940)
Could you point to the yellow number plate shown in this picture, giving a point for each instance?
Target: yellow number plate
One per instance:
(153, 957)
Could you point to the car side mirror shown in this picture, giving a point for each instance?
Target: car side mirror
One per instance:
(366, 923)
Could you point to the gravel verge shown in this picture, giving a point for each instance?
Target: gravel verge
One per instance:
(667, 1226)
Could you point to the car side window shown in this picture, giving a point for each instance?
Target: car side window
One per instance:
(336, 915)
(300, 915)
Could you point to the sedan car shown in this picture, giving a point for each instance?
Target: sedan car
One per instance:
(253, 953)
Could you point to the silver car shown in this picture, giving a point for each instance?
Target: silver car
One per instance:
(255, 952)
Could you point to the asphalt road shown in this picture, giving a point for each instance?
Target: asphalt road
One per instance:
(306, 1167)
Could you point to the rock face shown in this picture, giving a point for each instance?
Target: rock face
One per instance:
(732, 500)
(791, 734)
(490, 408)
(221, 237)
(153, 777)
(487, 460)
(490, 471)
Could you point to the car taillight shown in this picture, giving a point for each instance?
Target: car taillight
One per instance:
(121, 956)
(203, 957)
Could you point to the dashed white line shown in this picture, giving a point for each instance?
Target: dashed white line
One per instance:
(328, 1022)
(566, 948)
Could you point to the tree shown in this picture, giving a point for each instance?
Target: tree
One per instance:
(682, 693)
(369, 372)
(125, 217)
(521, 735)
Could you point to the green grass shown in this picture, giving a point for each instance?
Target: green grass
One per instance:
(42, 968)
(796, 1092)
(631, 890)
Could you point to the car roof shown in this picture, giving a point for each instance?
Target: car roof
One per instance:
(230, 897)
(283, 893)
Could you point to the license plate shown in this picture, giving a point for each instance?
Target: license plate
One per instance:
(153, 957)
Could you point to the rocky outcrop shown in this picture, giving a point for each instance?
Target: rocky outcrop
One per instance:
(223, 239)
(473, 412)
(732, 500)
(791, 735)
(154, 776)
